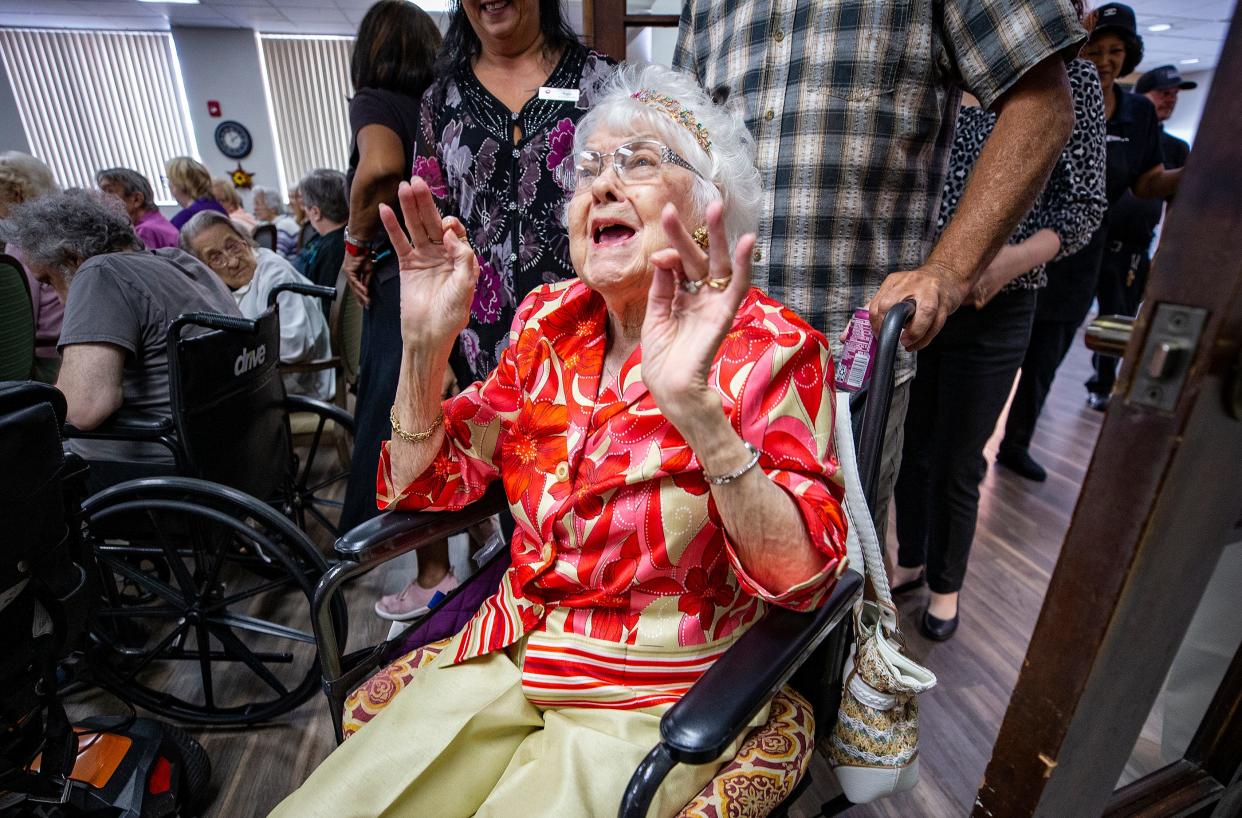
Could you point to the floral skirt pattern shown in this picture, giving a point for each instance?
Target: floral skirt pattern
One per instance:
(764, 772)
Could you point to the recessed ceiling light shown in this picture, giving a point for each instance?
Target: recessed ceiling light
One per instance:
(172, 2)
(1159, 27)
(1191, 61)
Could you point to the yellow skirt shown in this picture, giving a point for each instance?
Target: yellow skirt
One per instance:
(463, 740)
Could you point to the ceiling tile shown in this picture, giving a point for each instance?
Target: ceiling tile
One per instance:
(315, 15)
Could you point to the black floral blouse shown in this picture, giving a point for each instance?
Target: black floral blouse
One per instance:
(1072, 203)
(506, 194)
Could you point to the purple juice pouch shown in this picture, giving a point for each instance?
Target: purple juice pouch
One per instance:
(854, 368)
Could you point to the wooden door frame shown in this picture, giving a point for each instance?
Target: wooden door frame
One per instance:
(605, 22)
(1132, 571)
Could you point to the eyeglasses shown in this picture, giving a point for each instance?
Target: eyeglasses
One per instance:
(638, 161)
(233, 248)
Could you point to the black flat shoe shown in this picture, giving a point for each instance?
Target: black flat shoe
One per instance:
(1022, 464)
(1097, 402)
(938, 630)
(912, 585)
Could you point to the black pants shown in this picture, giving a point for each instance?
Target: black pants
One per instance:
(1050, 342)
(963, 379)
(378, 368)
(1123, 275)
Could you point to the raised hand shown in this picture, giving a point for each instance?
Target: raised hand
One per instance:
(438, 269)
(693, 299)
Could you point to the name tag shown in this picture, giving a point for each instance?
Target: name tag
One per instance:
(558, 94)
(1115, 138)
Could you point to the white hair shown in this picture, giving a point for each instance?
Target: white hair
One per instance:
(727, 168)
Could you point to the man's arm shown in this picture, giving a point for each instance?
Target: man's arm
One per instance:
(90, 378)
(1034, 121)
(1157, 183)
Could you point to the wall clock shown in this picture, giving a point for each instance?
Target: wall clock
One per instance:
(233, 140)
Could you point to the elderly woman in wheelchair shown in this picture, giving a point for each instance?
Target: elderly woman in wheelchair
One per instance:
(663, 433)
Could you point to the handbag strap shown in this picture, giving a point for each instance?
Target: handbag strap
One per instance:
(861, 526)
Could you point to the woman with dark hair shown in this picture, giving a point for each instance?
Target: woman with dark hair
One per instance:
(495, 127)
(391, 66)
(1135, 162)
(498, 122)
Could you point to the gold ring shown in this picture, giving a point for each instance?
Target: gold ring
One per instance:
(691, 286)
(721, 283)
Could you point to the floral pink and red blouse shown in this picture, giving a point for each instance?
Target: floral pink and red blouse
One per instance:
(505, 191)
(623, 576)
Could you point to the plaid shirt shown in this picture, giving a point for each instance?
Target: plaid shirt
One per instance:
(852, 105)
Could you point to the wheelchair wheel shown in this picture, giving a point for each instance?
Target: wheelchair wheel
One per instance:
(204, 602)
(322, 443)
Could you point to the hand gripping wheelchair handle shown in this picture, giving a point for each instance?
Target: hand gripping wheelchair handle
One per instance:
(302, 288)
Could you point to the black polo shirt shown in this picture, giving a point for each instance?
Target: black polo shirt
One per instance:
(1133, 142)
(1132, 221)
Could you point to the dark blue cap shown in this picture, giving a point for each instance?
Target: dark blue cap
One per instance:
(1162, 77)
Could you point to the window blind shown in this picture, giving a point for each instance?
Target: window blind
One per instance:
(90, 100)
(309, 88)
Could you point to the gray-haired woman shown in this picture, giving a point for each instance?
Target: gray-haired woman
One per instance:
(269, 209)
(251, 273)
(625, 420)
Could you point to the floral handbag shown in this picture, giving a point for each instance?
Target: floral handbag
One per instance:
(873, 749)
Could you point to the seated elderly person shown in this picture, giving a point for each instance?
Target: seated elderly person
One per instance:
(119, 300)
(190, 184)
(226, 194)
(269, 209)
(327, 210)
(134, 191)
(663, 432)
(23, 178)
(251, 273)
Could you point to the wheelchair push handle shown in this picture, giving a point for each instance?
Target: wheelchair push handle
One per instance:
(880, 396)
(212, 320)
(301, 288)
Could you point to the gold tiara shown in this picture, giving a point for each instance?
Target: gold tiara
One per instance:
(679, 114)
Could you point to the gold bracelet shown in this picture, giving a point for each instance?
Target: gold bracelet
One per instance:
(412, 437)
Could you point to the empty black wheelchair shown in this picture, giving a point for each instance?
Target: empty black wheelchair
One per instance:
(104, 766)
(203, 563)
(807, 650)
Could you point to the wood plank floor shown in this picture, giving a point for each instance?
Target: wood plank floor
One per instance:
(1021, 526)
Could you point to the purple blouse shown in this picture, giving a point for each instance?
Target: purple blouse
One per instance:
(157, 231)
(206, 203)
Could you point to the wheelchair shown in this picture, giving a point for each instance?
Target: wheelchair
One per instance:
(806, 650)
(130, 767)
(207, 564)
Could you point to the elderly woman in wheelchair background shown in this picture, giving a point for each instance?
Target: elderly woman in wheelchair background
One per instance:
(663, 432)
(251, 273)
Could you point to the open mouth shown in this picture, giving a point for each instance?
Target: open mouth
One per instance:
(609, 234)
(495, 6)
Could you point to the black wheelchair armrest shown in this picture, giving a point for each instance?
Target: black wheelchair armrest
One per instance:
(302, 288)
(125, 426)
(362, 549)
(301, 403)
(390, 535)
(720, 705)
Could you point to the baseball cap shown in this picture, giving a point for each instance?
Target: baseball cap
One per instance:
(1161, 77)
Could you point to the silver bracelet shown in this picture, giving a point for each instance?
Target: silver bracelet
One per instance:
(736, 473)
